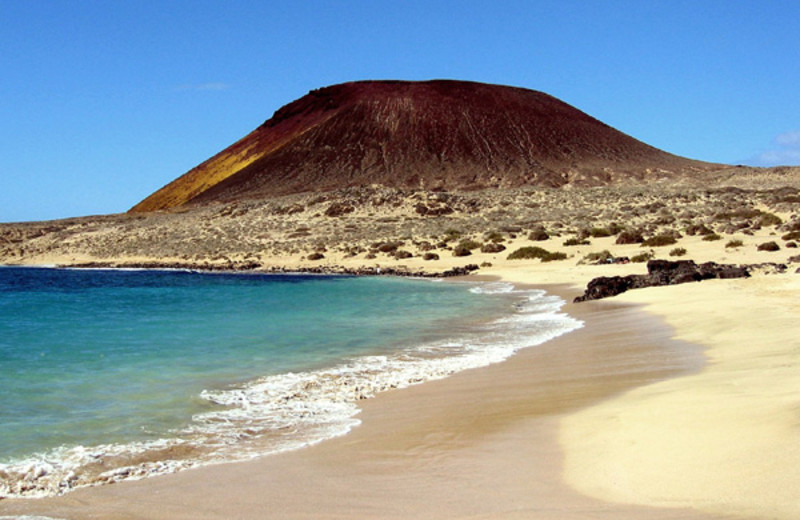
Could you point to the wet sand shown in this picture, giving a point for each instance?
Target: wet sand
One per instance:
(482, 444)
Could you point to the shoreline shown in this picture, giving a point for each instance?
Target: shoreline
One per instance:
(398, 271)
(456, 422)
(330, 392)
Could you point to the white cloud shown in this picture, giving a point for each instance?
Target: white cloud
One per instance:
(785, 152)
(790, 139)
(779, 158)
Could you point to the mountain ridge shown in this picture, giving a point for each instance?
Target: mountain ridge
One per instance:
(434, 135)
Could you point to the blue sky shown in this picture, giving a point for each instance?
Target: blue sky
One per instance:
(103, 102)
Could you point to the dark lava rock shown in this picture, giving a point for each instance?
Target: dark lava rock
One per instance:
(660, 273)
(768, 268)
(460, 271)
(607, 286)
(769, 246)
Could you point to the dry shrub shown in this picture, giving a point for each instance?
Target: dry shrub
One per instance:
(698, 229)
(538, 234)
(576, 241)
(598, 257)
(630, 237)
(469, 244)
(533, 252)
(663, 239)
(492, 247)
(643, 257)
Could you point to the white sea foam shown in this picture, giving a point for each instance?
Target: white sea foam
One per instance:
(493, 288)
(28, 517)
(289, 411)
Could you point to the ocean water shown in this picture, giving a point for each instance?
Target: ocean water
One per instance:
(113, 375)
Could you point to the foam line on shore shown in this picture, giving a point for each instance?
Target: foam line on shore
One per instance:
(293, 410)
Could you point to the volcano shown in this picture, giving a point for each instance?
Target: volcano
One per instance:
(433, 135)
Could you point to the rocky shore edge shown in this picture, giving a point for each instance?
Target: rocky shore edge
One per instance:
(256, 268)
(666, 272)
(659, 272)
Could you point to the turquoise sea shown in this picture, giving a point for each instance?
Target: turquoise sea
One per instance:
(108, 375)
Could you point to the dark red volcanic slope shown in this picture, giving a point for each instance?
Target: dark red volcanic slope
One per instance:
(433, 135)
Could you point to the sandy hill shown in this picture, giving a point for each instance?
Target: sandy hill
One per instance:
(449, 135)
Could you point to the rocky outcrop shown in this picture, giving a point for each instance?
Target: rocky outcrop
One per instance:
(660, 273)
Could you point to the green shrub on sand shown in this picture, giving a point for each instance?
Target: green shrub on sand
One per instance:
(660, 240)
(576, 241)
(533, 252)
(598, 257)
(643, 257)
(629, 237)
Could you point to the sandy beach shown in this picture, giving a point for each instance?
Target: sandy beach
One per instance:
(672, 402)
(527, 438)
(722, 440)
